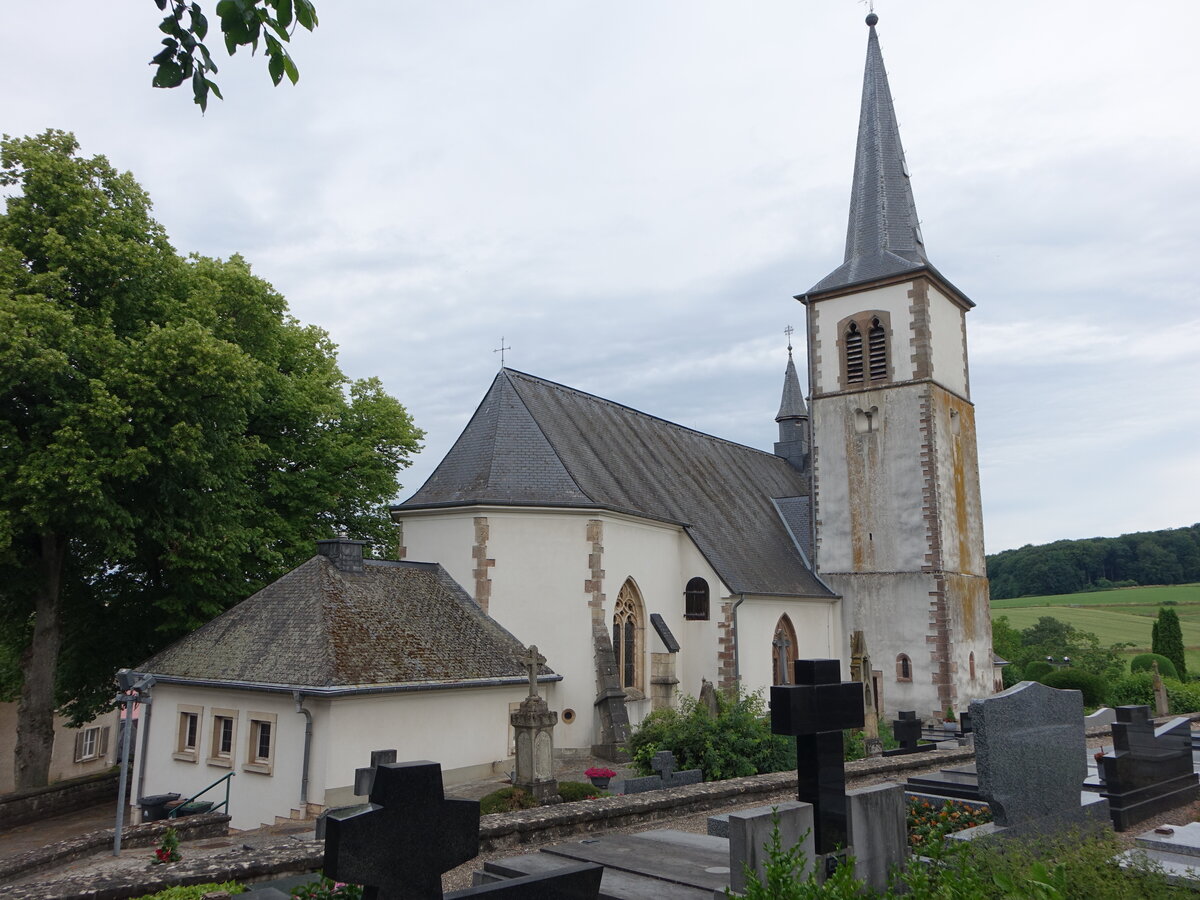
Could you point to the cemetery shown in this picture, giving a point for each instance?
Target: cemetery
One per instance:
(1026, 780)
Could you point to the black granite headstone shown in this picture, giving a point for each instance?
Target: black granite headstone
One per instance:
(907, 731)
(1150, 770)
(399, 847)
(815, 710)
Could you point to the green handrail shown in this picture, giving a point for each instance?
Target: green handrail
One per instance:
(224, 804)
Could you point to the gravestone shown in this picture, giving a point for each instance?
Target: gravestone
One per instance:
(860, 671)
(749, 832)
(907, 731)
(533, 726)
(1030, 761)
(708, 697)
(1150, 769)
(1162, 705)
(364, 778)
(665, 776)
(411, 834)
(815, 710)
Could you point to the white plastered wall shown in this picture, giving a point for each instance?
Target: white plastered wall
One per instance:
(947, 336)
(255, 798)
(542, 561)
(818, 635)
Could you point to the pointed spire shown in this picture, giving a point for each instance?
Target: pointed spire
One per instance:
(793, 416)
(792, 405)
(884, 235)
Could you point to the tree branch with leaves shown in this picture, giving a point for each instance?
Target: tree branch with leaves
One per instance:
(185, 56)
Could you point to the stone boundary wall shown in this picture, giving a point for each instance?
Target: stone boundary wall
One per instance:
(148, 834)
(32, 804)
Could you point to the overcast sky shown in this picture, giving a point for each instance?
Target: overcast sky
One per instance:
(631, 193)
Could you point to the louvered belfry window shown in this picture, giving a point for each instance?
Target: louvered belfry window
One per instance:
(877, 347)
(854, 355)
(865, 349)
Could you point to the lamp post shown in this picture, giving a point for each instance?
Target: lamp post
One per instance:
(133, 688)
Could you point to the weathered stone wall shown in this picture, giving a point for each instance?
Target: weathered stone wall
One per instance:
(60, 797)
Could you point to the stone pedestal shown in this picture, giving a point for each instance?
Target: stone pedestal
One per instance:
(534, 725)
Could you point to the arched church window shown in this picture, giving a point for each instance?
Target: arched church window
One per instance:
(972, 664)
(695, 599)
(627, 636)
(903, 668)
(783, 651)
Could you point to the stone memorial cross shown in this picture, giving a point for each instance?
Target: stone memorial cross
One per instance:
(532, 660)
(815, 710)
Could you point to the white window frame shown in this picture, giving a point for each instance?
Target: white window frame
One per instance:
(255, 762)
(216, 755)
(184, 752)
(90, 744)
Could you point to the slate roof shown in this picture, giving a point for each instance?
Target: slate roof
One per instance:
(791, 405)
(396, 624)
(883, 237)
(535, 442)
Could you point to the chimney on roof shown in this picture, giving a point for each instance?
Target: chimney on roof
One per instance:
(344, 553)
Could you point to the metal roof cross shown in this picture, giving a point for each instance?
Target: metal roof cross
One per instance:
(501, 350)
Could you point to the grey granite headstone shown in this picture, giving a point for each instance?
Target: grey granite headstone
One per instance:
(663, 764)
(1029, 752)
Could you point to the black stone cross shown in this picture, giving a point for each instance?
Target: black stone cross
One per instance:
(815, 710)
(907, 729)
(411, 835)
(664, 764)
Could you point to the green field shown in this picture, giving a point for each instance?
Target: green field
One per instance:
(1116, 616)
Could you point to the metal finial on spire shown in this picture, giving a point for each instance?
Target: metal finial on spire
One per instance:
(789, 331)
(501, 350)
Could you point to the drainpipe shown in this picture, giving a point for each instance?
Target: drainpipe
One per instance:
(737, 643)
(299, 698)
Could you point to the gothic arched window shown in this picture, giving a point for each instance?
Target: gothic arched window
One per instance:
(783, 651)
(627, 636)
(695, 599)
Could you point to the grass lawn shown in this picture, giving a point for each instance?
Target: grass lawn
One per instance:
(1137, 596)
(1116, 616)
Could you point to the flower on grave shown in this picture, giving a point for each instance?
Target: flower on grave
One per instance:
(168, 849)
(600, 772)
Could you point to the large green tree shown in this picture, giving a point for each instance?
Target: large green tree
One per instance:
(170, 438)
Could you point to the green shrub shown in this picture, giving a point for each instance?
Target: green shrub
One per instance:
(1093, 687)
(734, 743)
(570, 791)
(1142, 663)
(854, 742)
(194, 891)
(1013, 675)
(1136, 689)
(327, 889)
(1183, 698)
(1036, 669)
(506, 799)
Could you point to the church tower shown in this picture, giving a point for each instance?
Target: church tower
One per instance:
(897, 511)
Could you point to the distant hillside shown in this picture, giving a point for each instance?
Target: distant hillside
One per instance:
(1067, 567)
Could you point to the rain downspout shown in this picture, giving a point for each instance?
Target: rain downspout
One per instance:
(737, 644)
(299, 698)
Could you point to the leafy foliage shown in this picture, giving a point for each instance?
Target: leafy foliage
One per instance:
(734, 743)
(571, 791)
(507, 799)
(1135, 689)
(1037, 670)
(854, 741)
(1092, 686)
(173, 438)
(194, 891)
(327, 889)
(1171, 556)
(243, 23)
(928, 824)
(1166, 638)
(1143, 663)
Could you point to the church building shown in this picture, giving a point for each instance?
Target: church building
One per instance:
(644, 558)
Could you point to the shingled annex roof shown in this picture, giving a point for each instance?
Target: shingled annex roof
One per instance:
(396, 624)
(534, 442)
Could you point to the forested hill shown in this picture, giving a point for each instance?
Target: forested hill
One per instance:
(1065, 567)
